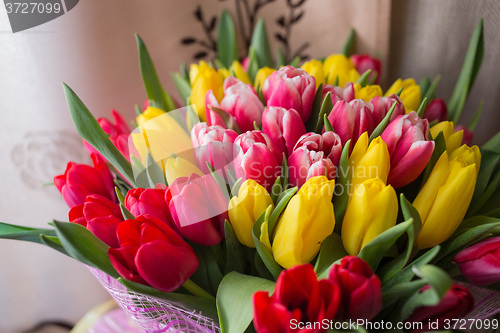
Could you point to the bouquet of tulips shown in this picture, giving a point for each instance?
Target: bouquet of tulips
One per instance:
(292, 199)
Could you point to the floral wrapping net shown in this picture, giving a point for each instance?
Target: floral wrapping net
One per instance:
(154, 315)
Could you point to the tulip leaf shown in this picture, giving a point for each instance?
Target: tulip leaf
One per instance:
(226, 40)
(316, 108)
(493, 144)
(54, 243)
(276, 190)
(328, 124)
(404, 289)
(398, 93)
(283, 200)
(154, 90)
(410, 212)
(374, 251)
(265, 253)
(284, 172)
(331, 250)
(260, 44)
(295, 62)
(188, 302)
(154, 172)
(363, 79)
(470, 69)
(219, 180)
(11, 231)
(234, 300)
(424, 85)
(383, 124)
(209, 273)
(475, 119)
(344, 177)
(326, 107)
(431, 91)
(235, 256)
(119, 195)
(348, 48)
(90, 130)
(127, 215)
(421, 108)
(182, 85)
(184, 71)
(439, 149)
(236, 188)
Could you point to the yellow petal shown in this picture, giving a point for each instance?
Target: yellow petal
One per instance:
(315, 68)
(261, 76)
(180, 167)
(240, 73)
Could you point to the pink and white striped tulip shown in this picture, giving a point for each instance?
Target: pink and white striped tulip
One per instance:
(304, 164)
(283, 126)
(382, 105)
(350, 120)
(338, 94)
(328, 142)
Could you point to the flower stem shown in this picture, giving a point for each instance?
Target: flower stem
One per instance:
(196, 290)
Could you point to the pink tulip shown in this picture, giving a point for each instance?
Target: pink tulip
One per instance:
(80, 180)
(100, 215)
(283, 126)
(304, 164)
(261, 159)
(480, 263)
(382, 105)
(199, 208)
(328, 142)
(213, 118)
(338, 94)
(436, 110)
(364, 62)
(350, 120)
(407, 139)
(291, 88)
(241, 101)
(467, 136)
(149, 201)
(245, 63)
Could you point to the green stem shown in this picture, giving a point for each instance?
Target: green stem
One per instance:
(196, 290)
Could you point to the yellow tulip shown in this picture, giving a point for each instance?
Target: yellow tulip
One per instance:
(444, 199)
(315, 68)
(176, 167)
(368, 92)
(369, 161)
(453, 139)
(372, 209)
(240, 73)
(261, 76)
(245, 209)
(204, 78)
(410, 95)
(306, 222)
(338, 65)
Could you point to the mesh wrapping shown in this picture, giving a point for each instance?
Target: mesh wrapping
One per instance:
(155, 315)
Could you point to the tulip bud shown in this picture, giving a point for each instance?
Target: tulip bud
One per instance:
(452, 138)
(382, 105)
(467, 134)
(338, 94)
(328, 142)
(149, 201)
(369, 162)
(444, 199)
(152, 253)
(241, 101)
(315, 68)
(213, 118)
(350, 120)
(364, 62)
(367, 93)
(372, 209)
(360, 289)
(283, 126)
(203, 78)
(261, 76)
(240, 72)
(306, 222)
(198, 207)
(291, 88)
(480, 263)
(410, 95)
(100, 215)
(245, 209)
(456, 303)
(338, 67)
(80, 180)
(407, 141)
(299, 299)
(436, 110)
(178, 167)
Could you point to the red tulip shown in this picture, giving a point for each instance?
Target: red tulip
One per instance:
(480, 263)
(199, 208)
(364, 62)
(149, 201)
(456, 303)
(152, 253)
(407, 139)
(382, 105)
(241, 101)
(360, 289)
(100, 215)
(299, 299)
(467, 135)
(260, 159)
(283, 126)
(436, 110)
(80, 180)
(350, 120)
(291, 88)
(338, 94)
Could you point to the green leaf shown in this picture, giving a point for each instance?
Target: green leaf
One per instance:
(328, 124)
(182, 85)
(487, 183)
(154, 90)
(344, 178)
(421, 108)
(363, 79)
(11, 231)
(90, 130)
(374, 251)
(284, 172)
(260, 44)
(264, 253)
(127, 215)
(475, 119)
(154, 172)
(436, 277)
(226, 40)
(276, 190)
(295, 62)
(235, 255)
(429, 94)
(316, 108)
(439, 149)
(348, 48)
(188, 302)
(119, 195)
(383, 124)
(84, 246)
(234, 300)
(283, 200)
(424, 84)
(54, 243)
(331, 250)
(325, 109)
(493, 144)
(470, 68)
(253, 66)
(404, 289)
